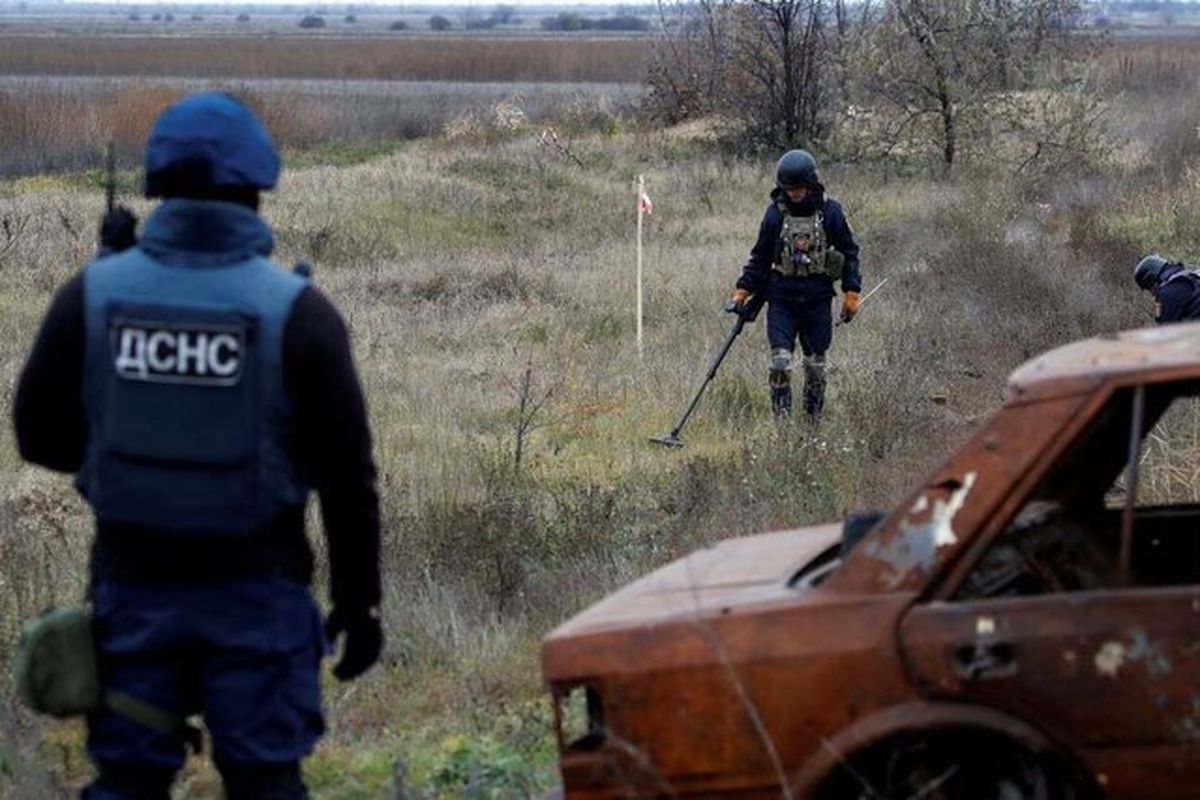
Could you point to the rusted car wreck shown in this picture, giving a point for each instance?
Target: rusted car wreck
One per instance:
(1020, 627)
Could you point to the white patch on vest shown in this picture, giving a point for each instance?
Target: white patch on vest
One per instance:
(161, 352)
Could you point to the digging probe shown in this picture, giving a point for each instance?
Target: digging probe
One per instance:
(866, 297)
(748, 312)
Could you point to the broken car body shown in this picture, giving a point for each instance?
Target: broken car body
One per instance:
(1020, 626)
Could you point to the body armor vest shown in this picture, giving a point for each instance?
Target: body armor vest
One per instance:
(189, 426)
(803, 247)
(1189, 275)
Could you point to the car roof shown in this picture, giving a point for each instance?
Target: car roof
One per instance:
(1169, 351)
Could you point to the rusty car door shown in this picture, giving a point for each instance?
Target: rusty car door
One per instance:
(1112, 675)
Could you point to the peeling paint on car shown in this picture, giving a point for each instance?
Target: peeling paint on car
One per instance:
(1109, 659)
(942, 519)
(917, 546)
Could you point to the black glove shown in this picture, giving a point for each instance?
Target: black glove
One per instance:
(118, 230)
(364, 640)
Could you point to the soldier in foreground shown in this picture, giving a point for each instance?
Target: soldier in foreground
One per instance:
(804, 245)
(199, 391)
(1175, 287)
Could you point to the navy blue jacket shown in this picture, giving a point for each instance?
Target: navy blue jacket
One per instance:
(331, 448)
(1178, 295)
(758, 275)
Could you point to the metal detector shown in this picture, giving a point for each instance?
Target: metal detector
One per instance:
(746, 312)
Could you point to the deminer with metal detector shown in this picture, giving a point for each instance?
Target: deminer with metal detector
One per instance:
(804, 246)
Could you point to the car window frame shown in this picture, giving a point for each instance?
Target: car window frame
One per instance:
(945, 586)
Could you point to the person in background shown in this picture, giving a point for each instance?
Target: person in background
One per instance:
(804, 246)
(1176, 288)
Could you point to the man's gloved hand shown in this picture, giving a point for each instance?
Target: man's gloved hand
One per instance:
(737, 301)
(364, 640)
(118, 230)
(850, 302)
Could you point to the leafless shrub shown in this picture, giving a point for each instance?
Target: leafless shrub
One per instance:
(552, 141)
(532, 411)
(12, 228)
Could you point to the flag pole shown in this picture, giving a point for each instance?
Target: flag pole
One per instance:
(641, 192)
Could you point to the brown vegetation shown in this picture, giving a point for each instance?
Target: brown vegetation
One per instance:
(442, 58)
(1151, 64)
(64, 123)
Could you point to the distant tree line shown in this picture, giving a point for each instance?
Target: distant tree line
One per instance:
(574, 21)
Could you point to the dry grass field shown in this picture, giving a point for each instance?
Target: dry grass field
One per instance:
(468, 260)
(427, 58)
(64, 122)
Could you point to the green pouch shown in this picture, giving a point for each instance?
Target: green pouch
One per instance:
(55, 665)
(835, 262)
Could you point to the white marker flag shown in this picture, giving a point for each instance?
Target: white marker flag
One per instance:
(644, 206)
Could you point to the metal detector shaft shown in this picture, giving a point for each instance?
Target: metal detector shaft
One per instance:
(672, 438)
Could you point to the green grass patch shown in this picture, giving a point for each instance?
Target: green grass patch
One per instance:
(339, 153)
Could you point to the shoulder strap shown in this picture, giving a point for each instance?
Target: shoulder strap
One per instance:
(153, 717)
(1189, 274)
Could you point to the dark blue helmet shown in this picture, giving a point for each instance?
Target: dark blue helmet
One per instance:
(209, 142)
(1148, 271)
(797, 168)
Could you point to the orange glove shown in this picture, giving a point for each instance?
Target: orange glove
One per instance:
(850, 302)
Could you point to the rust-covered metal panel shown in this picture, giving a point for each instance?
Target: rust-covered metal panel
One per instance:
(1084, 365)
(717, 684)
(938, 521)
(1100, 671)
(761, 666)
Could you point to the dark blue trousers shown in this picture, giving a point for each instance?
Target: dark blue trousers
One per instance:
(245, 654)
(811, 323)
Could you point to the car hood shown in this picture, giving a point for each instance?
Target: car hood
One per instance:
(733, 573)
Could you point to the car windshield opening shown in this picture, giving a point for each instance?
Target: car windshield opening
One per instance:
(1066, 535)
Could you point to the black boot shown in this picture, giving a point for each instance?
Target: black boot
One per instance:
(814, 386)
(781, 393)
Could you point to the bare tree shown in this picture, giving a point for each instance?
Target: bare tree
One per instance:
(760, 65)
(950, 61)
(781, 63)
(691, 58)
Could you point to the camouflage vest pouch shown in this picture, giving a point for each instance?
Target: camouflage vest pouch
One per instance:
(803, 250)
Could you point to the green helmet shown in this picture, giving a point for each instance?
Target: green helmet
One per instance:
(797, 168)
(1149, 270)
